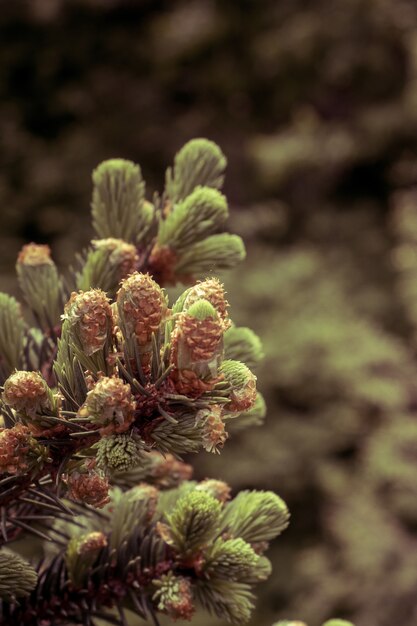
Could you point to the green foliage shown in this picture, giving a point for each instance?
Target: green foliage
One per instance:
(235, 373)
(68, 370)
(242, 344)
(254, 416)
(81, 553)
(17, 577)
(200, 214)
(118, 204)
(173, 596)
(179, 437)
(255, 516)
(231, 559)
(222, 251)
(226, 598)
(194, 522)
(106, 264)
(130, 512)
(199, 162)
(41, 287)
(12, 330)
(202, 310)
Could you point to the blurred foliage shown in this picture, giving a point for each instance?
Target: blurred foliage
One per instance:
(315, 105)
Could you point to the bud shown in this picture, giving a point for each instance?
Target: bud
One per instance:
(216, 488)
(211, 290)
(231, 559)
(242, 344)
(214, 434)
(27, 392)
(34, 402)
(17, 449)
(118, 204)
(149, 495)
(120, 453)
(17, 577)
(162, 262)
(168, 472)
(81, 554)
(142, 307)
(91, 543)
(122, 255)
(263, 569)
(197, 344)
(217, 252)
(252, 417)
(194, 522)
(200, 331)
(35, 255)
(40, 283)
(174, 596)
(88, 488)
(243, 385)
(110, 405)
(12, 335)
(107, 263)
(199, 162)
(337, 622)
(255, 516)
(90, 318)
(195, 217)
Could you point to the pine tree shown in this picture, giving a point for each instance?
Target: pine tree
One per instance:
(106, 385)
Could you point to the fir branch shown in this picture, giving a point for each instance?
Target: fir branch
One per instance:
(12, 330)
(199, 162)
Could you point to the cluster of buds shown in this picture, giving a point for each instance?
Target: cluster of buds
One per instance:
(174, 596)
(90, 318)
(19, 450)
(88, 487)
(130, 386)
(109, 405)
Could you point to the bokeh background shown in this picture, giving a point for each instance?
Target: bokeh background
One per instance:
(314, 103)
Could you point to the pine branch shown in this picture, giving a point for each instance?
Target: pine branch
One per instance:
(102, 399)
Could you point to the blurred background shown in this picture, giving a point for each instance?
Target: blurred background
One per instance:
(314, 103)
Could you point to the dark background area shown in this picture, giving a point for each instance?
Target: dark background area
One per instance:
(315, 105)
